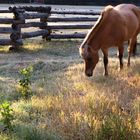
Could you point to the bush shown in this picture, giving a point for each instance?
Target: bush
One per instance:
(25, 82)
(6, 115)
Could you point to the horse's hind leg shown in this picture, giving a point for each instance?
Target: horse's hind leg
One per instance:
(105, 60)
(131, 49)
(120, 56)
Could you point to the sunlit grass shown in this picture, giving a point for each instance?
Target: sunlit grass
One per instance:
(67, 105)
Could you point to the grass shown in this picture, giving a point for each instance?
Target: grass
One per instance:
(65, 104)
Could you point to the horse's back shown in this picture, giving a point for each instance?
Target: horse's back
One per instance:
(128, 11)
(125, 20)
(131, 16)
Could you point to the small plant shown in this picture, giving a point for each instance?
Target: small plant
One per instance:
(25, 81)
(6, 115)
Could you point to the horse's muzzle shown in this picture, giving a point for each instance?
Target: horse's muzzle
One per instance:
(88, 74)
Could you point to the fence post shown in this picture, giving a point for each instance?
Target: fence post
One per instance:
(16, 36)
(44, 21)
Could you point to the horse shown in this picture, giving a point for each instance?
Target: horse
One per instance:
(114, 26)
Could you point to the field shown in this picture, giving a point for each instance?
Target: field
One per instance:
(65, 104)
(61, 102)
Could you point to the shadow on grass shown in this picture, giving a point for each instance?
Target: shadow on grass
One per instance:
(30, 132)
(119, 86)
(55, 47)
(39, 47)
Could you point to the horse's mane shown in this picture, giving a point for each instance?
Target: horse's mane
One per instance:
(99, 22)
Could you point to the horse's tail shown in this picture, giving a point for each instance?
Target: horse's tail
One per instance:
(136, 11)
(135, 48)
(134, 51)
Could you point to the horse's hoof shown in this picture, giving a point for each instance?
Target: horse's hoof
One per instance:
(105, 74)
(128, 65)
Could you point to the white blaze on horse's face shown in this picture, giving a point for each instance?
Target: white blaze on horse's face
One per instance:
(83, 50)
(90, 57)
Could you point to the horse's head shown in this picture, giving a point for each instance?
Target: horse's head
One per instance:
(91, 58)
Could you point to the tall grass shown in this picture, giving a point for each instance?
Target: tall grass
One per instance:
(66, 105)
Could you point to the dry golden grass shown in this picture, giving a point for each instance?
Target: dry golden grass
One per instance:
(66, 105)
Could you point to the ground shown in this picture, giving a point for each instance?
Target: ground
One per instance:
(66, 102)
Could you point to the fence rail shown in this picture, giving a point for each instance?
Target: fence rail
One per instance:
(66, 36)
(71, 19)
(71, 23)
(76, 12)
(52, 24)
(52, 27)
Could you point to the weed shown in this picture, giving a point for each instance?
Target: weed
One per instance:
(28, 132)
(6, 115)
(25, 82)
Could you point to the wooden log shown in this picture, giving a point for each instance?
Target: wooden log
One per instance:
(33, 24)
(77, 12)
(44, 21)
(15, 9)
(46, 36)
(38, 9)
(6, 30)
(66, 36)
(34, 8)
(18, 13)
(5, 42)
(53, 27)
(35, 34)
(19, 16)
(15, 45)
(18, 42)
(78, 19)
(35, 15)
(5, 11)
(15, 27)
(6, 20)
(10, 21)
(15, 36)
(10, 42)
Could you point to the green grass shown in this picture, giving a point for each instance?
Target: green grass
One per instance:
(65, 104)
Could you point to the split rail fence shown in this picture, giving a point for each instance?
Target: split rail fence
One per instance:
(50, 24)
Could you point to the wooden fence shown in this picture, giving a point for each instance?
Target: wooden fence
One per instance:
(52, 24)
(19, 22)
(69, 24)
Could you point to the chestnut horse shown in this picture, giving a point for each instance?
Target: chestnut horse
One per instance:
(114, 26)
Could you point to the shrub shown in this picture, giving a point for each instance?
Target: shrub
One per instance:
(6, 115)
(25, 82)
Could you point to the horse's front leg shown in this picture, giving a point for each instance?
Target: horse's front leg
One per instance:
(105, 60)
(120, 56)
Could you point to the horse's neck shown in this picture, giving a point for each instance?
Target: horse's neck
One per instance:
(95, 41)
(97, 36)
